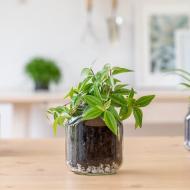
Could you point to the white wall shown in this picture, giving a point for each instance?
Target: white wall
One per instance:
(53, 28)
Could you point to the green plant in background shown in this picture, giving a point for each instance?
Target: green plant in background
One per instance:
(102, 95)
(184, 75)
(43, 72)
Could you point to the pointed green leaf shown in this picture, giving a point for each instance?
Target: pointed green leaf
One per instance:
(116, 80)
(182, 73)
(92, 100)
(107, 104)
(131, 93)
(112, 83)
(61, 120)
(87, 88)
(70, 93)
(123, 91)
(120, 86)
(110, 121)
(144, 100)
(97, 92)
(87, 72)
(138, 115)
(55, 125)
(83, 84)
(185, 84)
(107, 66)
(91, 113)
(119, 70)
(114, 112)
(125, 112)
(100, 107)
(118, 99)
(77, 100)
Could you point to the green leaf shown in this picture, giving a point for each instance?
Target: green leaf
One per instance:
(107, 66)
(55, 125)
(123, 91)
(182, 73)
(112, 82)
(91, 113)
(55, 115)
(185, 84)
(100, 107)
(65, 115)
(83, 84)
(107, 104)
(70, 93)
(116, 80)
(118, 70)
(125, 112)
(111, 122)
(87, 88)
(97, 92)
(138, 115)
(76, 100)
(87, 72)
(120, 86)
(92, 100)
(61, 120)
(118, 99)
(114, 112)
(131, 93)
(104, 76)
(144, 100)
(120, 89)
(59, 110)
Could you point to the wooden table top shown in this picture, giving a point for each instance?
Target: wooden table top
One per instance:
(149, 163)
(29, 97)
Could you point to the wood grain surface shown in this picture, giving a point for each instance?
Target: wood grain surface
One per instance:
(149, 163)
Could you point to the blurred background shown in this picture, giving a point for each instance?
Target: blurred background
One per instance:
(44, 44)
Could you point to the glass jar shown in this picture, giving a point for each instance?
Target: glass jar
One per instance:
(91, 148)
(187, 130)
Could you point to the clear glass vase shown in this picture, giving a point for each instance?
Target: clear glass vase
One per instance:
(92, 149)
(187, 131)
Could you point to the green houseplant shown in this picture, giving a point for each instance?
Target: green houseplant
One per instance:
(43, 71)
(93, 120)
(185, 75)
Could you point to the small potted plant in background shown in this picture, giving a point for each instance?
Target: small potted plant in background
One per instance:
(93, 120)
(43, 71)
(186, 83)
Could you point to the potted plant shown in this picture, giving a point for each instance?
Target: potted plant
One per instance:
(93, 120)
(186, 83)
(43, 71)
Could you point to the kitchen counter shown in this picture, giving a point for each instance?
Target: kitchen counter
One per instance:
(149, 163)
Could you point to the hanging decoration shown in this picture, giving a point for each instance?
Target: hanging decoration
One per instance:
(114, 23)
(89, 34)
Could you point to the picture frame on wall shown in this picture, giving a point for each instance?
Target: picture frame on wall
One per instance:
(183, 49)
(156, 25)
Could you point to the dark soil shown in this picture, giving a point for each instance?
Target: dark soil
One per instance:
(91, 143)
